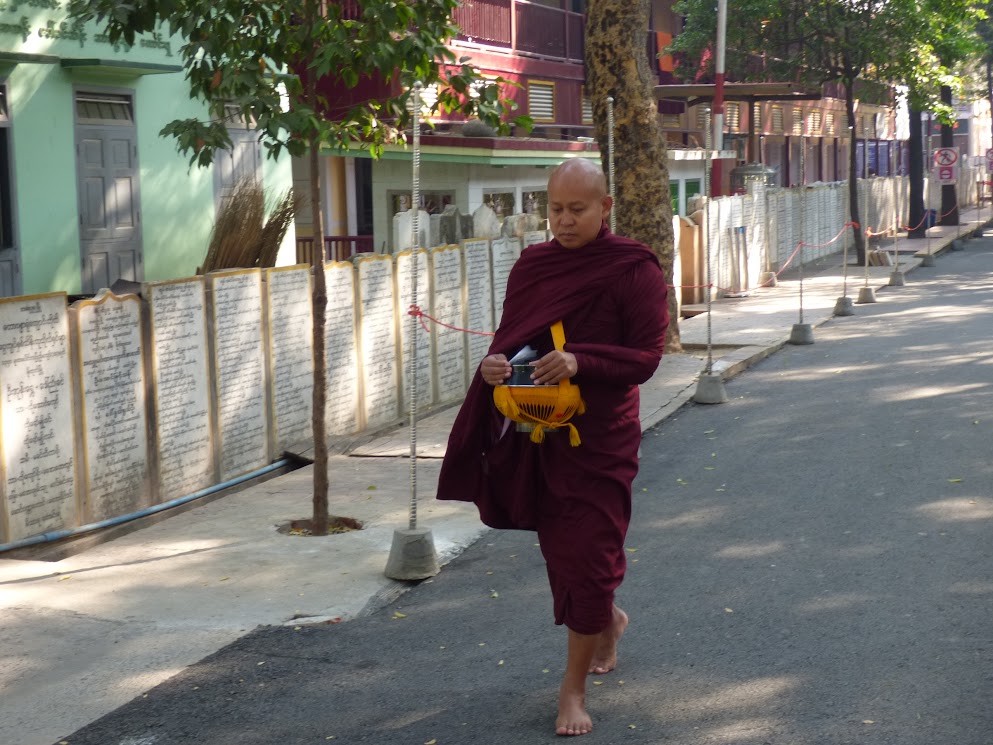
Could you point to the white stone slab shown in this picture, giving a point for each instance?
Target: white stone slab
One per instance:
(38, 489)
(504, 253)
(341, 350)
(377, 324)
(422, 328)
(181, 386)
(479, 300)
(290, 316)
(110, 351)
(239, 370)
(534, 236)
(446, 307)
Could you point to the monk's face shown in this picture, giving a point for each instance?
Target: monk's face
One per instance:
(577, 206)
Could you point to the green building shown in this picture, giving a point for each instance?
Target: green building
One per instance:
(89, 191)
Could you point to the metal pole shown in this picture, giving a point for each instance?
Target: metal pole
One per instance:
(610, 162)
(707, 170)
(718, 119)
(416, 207)
(803, 211)
(865, 218)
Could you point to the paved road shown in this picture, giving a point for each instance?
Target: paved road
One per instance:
(811, 564)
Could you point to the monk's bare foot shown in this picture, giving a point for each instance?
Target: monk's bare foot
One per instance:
(572, 719)
(605, 656)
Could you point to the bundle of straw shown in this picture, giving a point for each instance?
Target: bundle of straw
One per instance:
(242, 236)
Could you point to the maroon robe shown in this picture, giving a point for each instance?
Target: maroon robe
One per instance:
(611, 298)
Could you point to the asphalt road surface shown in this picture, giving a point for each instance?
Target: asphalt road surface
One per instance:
(809, 564)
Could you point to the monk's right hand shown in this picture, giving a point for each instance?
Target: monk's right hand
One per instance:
(495, 369)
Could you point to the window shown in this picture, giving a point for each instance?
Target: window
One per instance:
(587, 111)
(829, 123)
(798, 122)
(672, 121)
(6, 177)
(702, 117)
(777, 120)
(814, 123)
(733, 117)
(101, 108)
(541, 100)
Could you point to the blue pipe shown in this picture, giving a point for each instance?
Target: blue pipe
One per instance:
(55, 535)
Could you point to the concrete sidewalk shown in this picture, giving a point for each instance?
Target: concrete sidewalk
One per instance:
(81, 636)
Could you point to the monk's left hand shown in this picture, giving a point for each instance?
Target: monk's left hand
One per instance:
(554, 367)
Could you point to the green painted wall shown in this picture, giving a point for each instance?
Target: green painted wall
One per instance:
(177, 202)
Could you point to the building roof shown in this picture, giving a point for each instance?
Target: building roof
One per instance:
(694, 93)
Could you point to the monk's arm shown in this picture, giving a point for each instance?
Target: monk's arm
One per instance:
(644, 316)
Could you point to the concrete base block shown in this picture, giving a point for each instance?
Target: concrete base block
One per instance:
(867, 295)
(803, 333)
(710, 390)
(927, 260)
(843, 306)
(768, 279)
(412, 555)
(897, 279)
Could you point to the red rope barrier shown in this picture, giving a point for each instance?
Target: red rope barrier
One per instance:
(822, 245)
(421, 315)
(923, 220)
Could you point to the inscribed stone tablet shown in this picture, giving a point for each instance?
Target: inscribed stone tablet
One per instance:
(502, 259)
(181, 377)
(479, 299)
(112, 382)
(377, 332)
(341, 349)
(239, 370)
(535, 236)
(38, 485)
(425, 370)
(291, 355)
(446, 306)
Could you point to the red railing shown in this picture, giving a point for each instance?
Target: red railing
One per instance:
(522, 27)
(336, 247)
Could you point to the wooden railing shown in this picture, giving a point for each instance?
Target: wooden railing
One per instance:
(336, 247)
(522, 27)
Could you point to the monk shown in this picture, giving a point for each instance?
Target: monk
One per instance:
(610, 294)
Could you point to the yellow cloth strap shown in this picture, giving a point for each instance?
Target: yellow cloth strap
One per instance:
(558, 336)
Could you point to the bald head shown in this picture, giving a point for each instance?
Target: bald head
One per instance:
(578, 202)
(580, 173)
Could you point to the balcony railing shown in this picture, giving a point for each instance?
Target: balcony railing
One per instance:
(522, 27)
(336, 247)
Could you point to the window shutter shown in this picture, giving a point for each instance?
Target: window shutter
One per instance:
(797, 121)
(777, 119)
(587, 111)
(734, 117)
(541, 100)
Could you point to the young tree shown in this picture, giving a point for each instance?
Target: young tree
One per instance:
(261, 62)
(617, 66)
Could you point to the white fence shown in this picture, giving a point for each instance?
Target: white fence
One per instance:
(759, 232)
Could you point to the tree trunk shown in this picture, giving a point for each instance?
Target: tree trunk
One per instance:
(617, 65)
(853, 177)
(916, 146)
(319, 521)
(949, 214)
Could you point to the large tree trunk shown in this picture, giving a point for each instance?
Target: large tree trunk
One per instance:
(915, 218)
(617, 65)
(858, 231)
(319, 521)
(949, 214)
